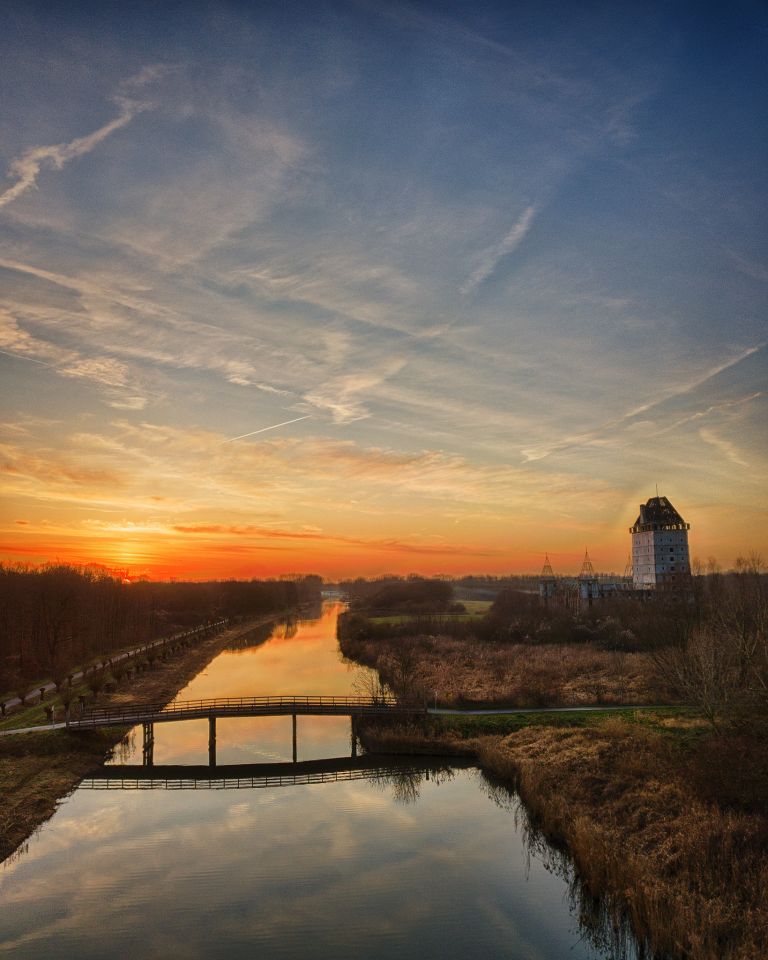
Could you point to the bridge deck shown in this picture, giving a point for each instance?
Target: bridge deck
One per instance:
(247, 707)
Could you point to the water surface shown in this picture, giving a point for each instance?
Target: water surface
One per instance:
(415, 864)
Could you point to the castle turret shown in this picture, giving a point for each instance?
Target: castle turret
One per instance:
(660, 559)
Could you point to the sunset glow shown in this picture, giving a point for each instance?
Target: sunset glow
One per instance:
(358, 288)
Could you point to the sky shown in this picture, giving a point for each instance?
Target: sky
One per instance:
(363, 287)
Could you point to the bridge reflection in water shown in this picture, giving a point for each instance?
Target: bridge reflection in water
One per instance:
(261, 775)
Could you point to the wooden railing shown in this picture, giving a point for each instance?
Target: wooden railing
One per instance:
(245, 706)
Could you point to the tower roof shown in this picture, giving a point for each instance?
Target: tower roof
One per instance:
(658, 512)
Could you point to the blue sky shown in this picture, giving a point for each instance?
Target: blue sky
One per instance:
(507, 262)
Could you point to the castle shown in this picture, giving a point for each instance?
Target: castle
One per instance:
(660, 559)
(660, 562)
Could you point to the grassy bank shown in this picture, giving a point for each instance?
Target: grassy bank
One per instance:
(38, 769)
(665, 820)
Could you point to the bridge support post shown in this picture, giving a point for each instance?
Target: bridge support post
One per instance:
(148, 744)
(353, 731)
(295, 752)
(212, 741)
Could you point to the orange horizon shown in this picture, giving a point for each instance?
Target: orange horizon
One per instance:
(223, 561)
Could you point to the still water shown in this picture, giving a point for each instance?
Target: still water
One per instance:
(412, 863)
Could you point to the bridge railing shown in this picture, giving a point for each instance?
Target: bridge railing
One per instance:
(246, 703)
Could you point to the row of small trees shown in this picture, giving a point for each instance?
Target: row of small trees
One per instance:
(55, 617)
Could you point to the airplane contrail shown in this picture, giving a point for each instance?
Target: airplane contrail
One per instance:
(20, 356)
(264, 429)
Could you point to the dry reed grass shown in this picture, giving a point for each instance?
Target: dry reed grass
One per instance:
(690, 875)
(463, 671)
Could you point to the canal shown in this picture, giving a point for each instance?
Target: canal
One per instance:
(408, 863)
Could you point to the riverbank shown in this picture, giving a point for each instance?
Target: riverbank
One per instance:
(38, 769)
(664, 820)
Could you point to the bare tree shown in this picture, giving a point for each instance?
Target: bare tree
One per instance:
(367, 683)
(723, 666)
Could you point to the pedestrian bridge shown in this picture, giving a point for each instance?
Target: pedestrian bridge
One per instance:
(310, 706)
(294, 706)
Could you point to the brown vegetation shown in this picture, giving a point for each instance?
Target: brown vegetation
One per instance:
(669, 834)
(461, 671)
(688, 870)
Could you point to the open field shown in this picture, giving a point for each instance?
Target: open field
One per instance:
(674, 721)
(463, 734)
(474, 610)
(400, 618)
(480, 607)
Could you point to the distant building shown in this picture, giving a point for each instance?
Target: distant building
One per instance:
(660, 561)
(579, 593)
(660, 558)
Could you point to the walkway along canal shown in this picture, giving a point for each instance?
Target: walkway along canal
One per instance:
(330, 857)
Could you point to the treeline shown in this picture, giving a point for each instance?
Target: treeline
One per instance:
(620, 622)
(471, 587)
(479, 587)
(56, 617)
(629, 622)
(412, 596)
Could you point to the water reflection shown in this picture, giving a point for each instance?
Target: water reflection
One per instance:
(299, 656)
(400, 775)
(602, 922)
(345, 867)
(252, 638)
(414, 859)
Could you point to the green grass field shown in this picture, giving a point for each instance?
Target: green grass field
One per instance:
(475, 610)
(675, 721)
(477, 607)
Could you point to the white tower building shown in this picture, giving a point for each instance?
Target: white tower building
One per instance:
(660, 559)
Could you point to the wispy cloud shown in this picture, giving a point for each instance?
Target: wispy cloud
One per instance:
(725, 447)
(340, 397)
(393, 545)
(26, 168)
(545, 450)
(102, 371)
(255, 247)
(490, 257)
